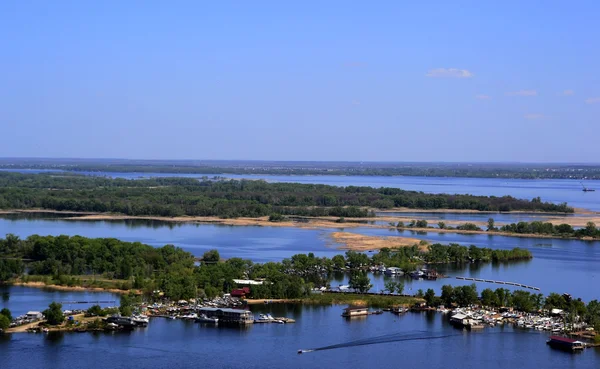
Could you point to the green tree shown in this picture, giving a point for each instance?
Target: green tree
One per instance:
(94, 310)
(399, 288)
(441, 225)
(125, 307)
(489, 298)
(6, 312)
(4, 322)
(54, 314)
(422, 223)
(339, 262)
(400, 224)
(360, 281)
(390, 286)
(430, 297)
(447, 295)
(491, 225)
(211, 256)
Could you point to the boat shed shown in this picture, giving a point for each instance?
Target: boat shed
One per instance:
(351, 311)
(226, 315)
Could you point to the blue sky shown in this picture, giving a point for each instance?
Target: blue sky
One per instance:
(301, 80)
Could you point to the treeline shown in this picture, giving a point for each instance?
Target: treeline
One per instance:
(532, 171)
(65, 259)
(461, 254)
(70, 260)
(563, 230)
(231, 198)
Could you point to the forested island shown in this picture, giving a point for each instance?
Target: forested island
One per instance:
(469, 170)
(521, 228)
(171, 197)
(111, 263)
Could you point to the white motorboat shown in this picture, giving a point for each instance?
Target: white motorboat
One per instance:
(205, 319)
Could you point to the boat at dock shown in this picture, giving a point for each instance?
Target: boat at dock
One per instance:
(205, 319)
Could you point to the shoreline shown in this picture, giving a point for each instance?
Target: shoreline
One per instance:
(57, 287)
(316, 222)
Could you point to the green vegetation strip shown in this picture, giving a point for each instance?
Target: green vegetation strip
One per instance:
(231, 198)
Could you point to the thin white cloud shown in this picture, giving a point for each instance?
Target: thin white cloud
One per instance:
(483, 97)
(568, 92)
(523, 93)
(593, 100)
(449, 73)
(355, 102)
(534, 116)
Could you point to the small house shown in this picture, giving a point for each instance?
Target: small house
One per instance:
(240, 292)
(33, 315)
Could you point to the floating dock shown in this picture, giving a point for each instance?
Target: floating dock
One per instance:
(498, 282)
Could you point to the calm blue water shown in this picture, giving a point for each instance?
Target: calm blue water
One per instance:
(178, 344)
(20, 299)
(557, 191)
(476, 217)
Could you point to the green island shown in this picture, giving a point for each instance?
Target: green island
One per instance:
(170, 197)
(140, 270)
(590, 231)
(114, 264)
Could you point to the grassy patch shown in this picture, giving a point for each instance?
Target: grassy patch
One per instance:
(360, 299)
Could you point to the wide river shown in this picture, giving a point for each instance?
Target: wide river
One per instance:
(558, 265)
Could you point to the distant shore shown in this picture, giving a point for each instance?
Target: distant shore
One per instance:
(57, 287)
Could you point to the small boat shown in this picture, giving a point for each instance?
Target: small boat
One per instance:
(587, 189)
(205, 319)
(140, 320)
(191, 316)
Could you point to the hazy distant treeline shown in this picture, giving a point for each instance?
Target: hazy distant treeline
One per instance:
(533, 171)
(231, 198)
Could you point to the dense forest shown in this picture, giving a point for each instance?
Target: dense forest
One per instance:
(470, 170)
(70, 260)
(231, 198)
(563, 230)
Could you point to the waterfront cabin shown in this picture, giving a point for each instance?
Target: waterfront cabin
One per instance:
(459, 320)
(352, 311)
(565, 343)
(34, 315)
(240, 292)
(226, 315)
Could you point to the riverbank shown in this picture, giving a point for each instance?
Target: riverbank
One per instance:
(78, 321)
(358, 242)
(324, 222)
(57, 287)
(355, 299)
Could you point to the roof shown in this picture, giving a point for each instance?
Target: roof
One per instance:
(563, 339)
(33, 313)
(247, 281)
(225, 310)
(356, 308)
(458, 316)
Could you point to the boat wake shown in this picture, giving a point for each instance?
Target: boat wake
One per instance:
(396, 337)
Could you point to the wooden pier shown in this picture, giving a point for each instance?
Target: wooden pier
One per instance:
(498, 282)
